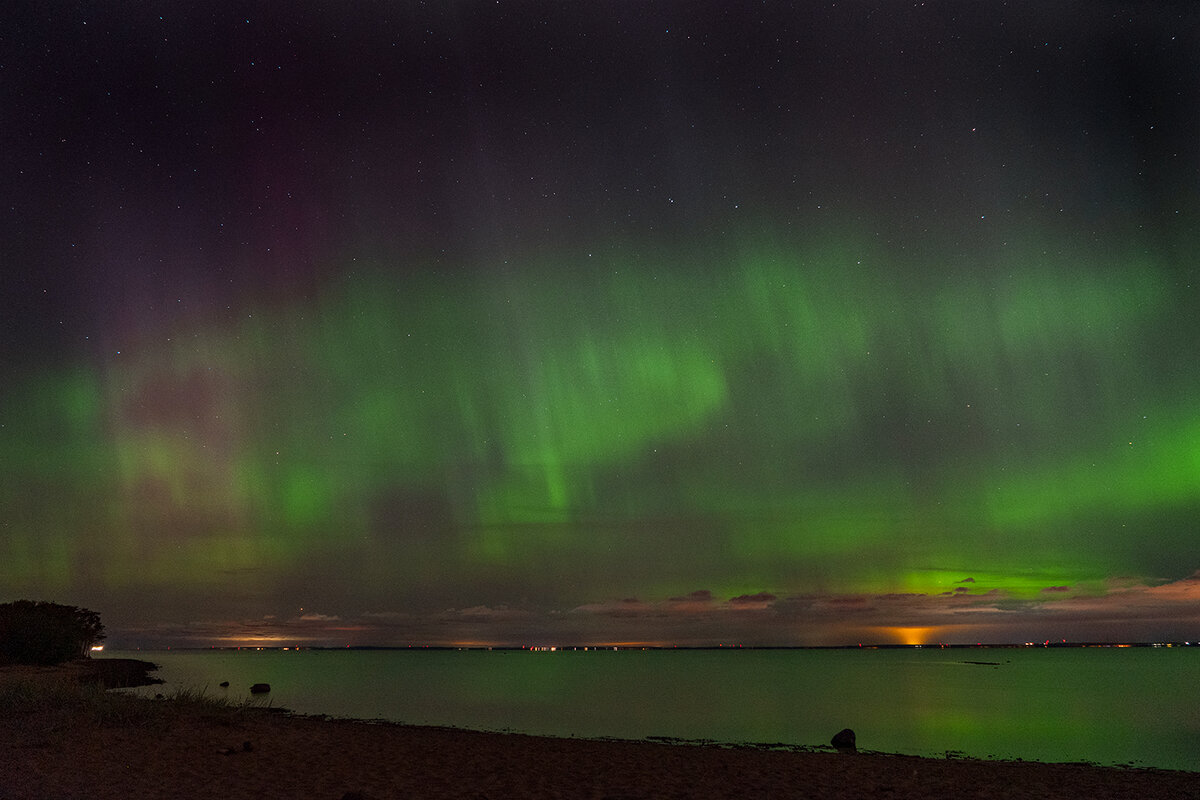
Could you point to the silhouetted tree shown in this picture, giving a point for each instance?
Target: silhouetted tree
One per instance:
(36, 632)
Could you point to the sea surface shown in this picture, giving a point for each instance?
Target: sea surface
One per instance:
(1128, 706)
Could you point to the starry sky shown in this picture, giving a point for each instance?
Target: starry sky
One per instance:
(612, 322)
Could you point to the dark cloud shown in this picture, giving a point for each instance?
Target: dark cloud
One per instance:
(761, 597)
(698, 596)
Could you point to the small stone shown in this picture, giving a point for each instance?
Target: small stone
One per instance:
(260, 688)
(843, 740)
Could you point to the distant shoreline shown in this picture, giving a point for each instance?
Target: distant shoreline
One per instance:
(660, 647)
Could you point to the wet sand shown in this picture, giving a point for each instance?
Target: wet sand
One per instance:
(161, 749)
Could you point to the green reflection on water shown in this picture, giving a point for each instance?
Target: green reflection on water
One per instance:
(1107, 706)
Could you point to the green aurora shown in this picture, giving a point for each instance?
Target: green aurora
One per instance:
(421, 323)
(777, 417)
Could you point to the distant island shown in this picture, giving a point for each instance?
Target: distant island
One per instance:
(664, 647)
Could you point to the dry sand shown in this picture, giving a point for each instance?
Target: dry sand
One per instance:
(186, 750)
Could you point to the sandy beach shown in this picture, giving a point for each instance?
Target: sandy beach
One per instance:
(179, 749)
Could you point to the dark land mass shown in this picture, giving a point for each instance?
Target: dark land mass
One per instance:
(117, 673)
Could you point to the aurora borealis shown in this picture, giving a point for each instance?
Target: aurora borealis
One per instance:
(399, 323)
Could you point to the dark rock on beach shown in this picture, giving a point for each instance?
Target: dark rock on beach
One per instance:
(260, 688)
(843, 740)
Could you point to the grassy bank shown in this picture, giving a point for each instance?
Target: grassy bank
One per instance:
(39, 702)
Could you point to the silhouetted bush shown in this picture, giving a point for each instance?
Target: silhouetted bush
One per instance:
(35, 632)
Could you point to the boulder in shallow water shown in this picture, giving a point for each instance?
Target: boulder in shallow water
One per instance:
(260, 688)
(843, 740)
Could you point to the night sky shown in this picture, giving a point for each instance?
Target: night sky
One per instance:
(602, 322)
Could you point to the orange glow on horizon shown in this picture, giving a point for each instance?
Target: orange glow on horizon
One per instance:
(259, 640)
(912, 635)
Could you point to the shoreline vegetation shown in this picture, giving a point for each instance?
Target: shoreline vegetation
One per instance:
(64, 735)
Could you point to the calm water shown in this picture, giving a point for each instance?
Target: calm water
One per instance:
(1109, 706)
